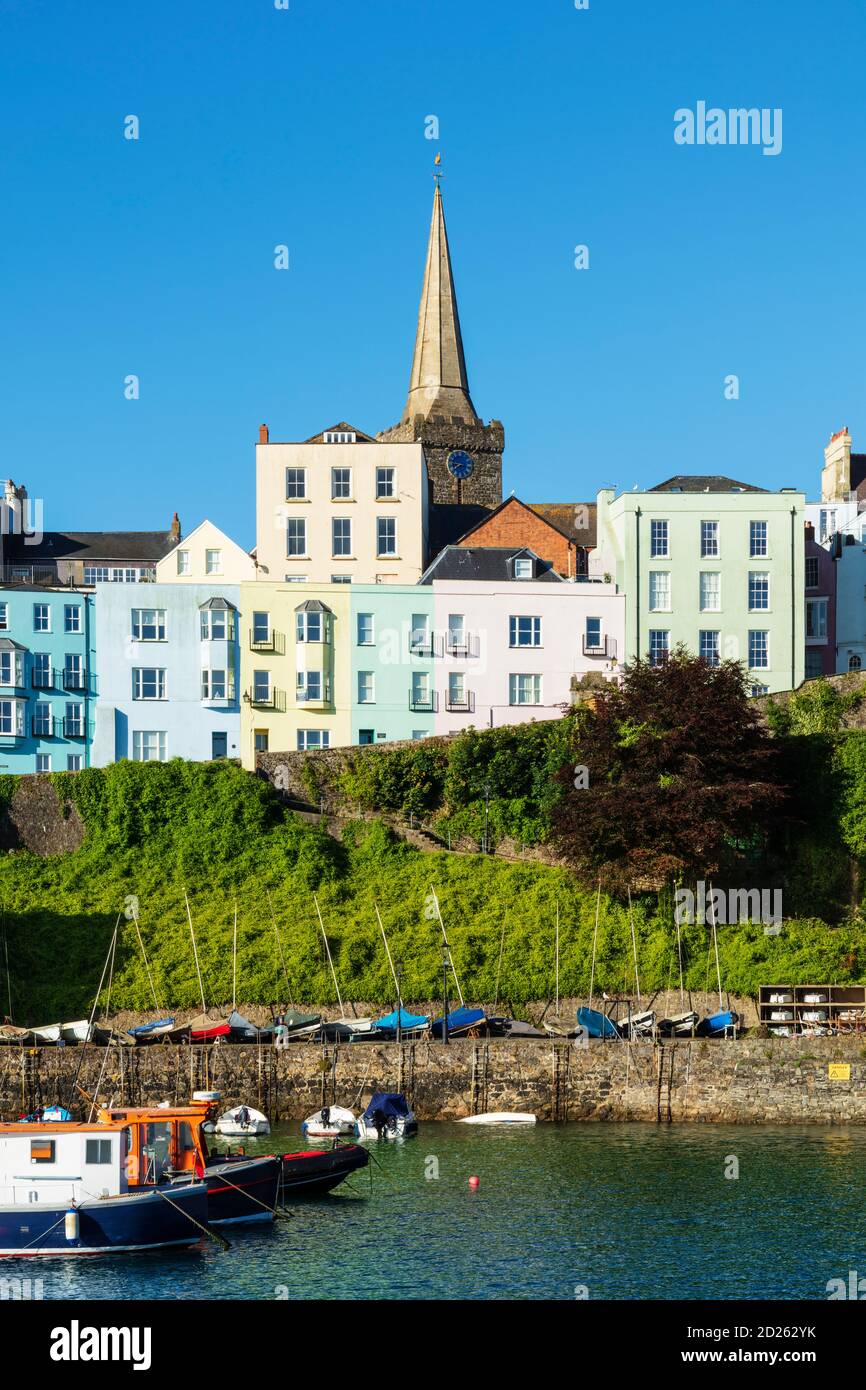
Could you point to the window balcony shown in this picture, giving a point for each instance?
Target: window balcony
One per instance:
(74, 728)
(74, 680)
(425, 644)
(266, 699)
(423, 704)
(463, 648)
(603, 647)
(460, 704)
(40, 729)
(275, 642)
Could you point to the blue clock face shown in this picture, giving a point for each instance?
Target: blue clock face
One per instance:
(460, 464)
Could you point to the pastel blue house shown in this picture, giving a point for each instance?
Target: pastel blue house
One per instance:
(393, 650)
(169, 681)
(47, 679)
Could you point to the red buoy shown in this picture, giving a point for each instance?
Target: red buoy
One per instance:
(474, 1183)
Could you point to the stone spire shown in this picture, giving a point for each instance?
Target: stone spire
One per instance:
(439, 386)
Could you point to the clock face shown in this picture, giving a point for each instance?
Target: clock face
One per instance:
(460, 464)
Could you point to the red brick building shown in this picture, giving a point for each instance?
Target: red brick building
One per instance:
(563, 533)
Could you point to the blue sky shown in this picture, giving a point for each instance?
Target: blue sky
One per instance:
(307, 127)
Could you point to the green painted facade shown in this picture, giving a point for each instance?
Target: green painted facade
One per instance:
(715, 570)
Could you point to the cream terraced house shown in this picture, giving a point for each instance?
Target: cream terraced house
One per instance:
(206, 556)
(713, 564)
(340, 508)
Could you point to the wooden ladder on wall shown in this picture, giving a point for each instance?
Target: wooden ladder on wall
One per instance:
(478, 1087)
(664, 1079)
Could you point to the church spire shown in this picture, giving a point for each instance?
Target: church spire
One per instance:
(439, 385)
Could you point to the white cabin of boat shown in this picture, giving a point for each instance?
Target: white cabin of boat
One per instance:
(55, 1163)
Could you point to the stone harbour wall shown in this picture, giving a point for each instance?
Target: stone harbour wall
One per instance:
(750, 1081)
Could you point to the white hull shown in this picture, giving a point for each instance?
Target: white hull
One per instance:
(499, 1117)
(49, 1034)
(235, 1125)
(336, 1122)
(369, 1134)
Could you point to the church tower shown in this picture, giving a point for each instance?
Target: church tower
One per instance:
(464, 456)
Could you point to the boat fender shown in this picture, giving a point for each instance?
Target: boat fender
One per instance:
(71, 1224)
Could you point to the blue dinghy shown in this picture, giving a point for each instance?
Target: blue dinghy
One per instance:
(597, 1024)
(716, 1025)
(461, 1021)
(409, 1023)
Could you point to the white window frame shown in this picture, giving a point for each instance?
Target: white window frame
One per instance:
(296, 490)
(517, 629)
(183, 562)
(759, 587)
(657, 650)
(139, 683)
(524, 688)
(366, 688)
(709, 540)
(72, 619)
(366, 621)
(703, 605)
(141, 751)
(386, 487)
(655, 605)
(138, 623)
(759, 540)
(659, 538)
(341, 548)
(338, 484)
(759, 665)
(296, 536)
(388, 524)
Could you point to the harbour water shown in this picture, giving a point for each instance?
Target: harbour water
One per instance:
(624, 1211)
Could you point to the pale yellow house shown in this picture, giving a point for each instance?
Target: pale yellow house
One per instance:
(295, 675)
(206, 556)
(340, 508)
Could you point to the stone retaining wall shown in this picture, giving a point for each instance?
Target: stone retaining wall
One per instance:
(751, 1081)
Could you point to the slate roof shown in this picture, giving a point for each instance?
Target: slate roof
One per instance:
(91, 546)
(563, 515)
(449, 522)
(343, 428)
(704, 482)
(486, 563)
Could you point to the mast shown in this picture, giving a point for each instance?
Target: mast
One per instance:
(633, 946)
(235, 961)
(448, 948)
(330, 960)
(716, 945)
(280, 949)
(195, 953)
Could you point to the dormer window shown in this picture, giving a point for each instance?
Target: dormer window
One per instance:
(340, 437)
(523, 567)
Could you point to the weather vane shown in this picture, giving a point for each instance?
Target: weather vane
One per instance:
(437, 171)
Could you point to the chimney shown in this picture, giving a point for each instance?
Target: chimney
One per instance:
(836, 474)
(810, 531)
(263, 434)
(174, 533)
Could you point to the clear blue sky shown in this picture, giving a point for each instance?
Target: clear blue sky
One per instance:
(306, 127)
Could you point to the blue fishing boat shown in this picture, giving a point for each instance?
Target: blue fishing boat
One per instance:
(597, 1024)
(411, 1025)
(462, 1022)
(64, 1191)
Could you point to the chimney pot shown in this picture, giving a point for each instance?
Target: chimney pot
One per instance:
(263, 434)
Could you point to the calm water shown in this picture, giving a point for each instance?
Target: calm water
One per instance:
(630, 1211)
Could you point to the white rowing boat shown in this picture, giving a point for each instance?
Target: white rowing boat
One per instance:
(499, 1117)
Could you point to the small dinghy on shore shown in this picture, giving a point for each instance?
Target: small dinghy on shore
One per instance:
(499, 1117)
(329, 1123)
(242, 1122)
(679, 1025)
(596, 1024)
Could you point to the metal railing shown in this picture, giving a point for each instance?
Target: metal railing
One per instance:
(462, 704)
(271, 699)
(424, 704)
(464, 648)
(604, 647)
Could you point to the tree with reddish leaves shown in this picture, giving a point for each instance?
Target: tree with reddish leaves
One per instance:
(681, 779)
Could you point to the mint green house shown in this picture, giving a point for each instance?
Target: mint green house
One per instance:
(715, 565)
(393, 650)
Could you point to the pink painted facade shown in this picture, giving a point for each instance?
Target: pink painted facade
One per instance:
(510, 649)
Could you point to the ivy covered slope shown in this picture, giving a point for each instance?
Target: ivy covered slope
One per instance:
(155, 831)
